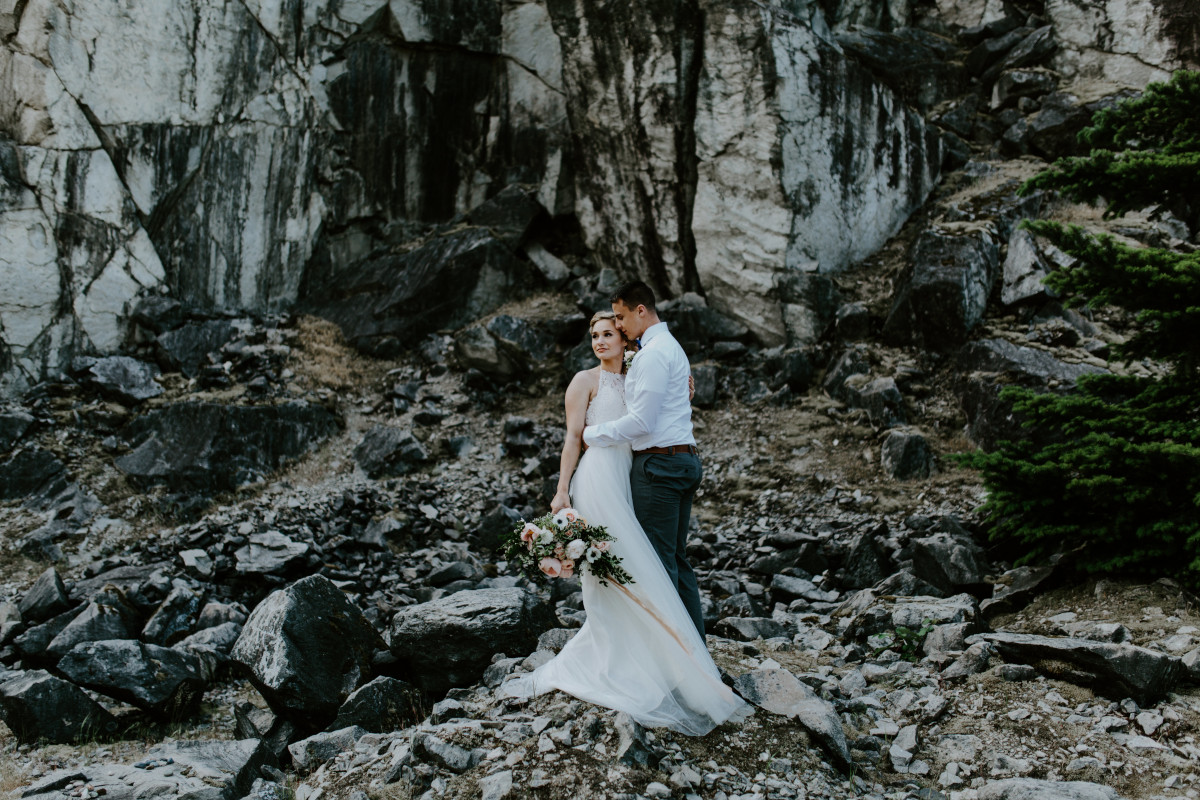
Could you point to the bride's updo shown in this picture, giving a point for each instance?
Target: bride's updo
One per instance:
(599, 315)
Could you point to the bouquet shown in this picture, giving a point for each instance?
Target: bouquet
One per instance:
(559, 545)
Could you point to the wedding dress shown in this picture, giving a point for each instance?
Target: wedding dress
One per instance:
(638, 651)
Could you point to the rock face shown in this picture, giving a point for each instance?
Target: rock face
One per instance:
(214, 447)
(450, 641)
(306, 648)
(257, 166)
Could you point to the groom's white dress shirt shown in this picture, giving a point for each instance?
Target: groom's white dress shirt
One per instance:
(658, 411)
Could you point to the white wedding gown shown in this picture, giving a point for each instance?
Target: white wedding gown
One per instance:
(638, 651)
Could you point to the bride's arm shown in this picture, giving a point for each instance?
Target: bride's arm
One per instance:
(578, 395)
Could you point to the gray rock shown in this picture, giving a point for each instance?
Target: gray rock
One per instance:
(108, 616)
(1016, 672)
(866, 562)
(197, 562)
(920, 66)
(1033, 49)
(308, 754)
(1034, 789)
(124, 379)
(851, 361)
(382, 303)
(229, 766)
(164, 682)
(40, 708)
(455, 571)
(28, 472)
(306, 649)
(948, 561)
(270, 553)
(1024, 269)
(496, 786)
(879, 397)
(210, 447)
(1016, 588)
(991, 50)
(385, 704)
(385, 450)
(450, 641)
(941, 302)
(32, 643)
(444, 754)
(1013, 84)
(905, 454)
(187, 348)
(521, 339)
(885, 616)
(175, 617)
(446, 710)
(555, 639)
(13, 426)
(780, 692)
(1117, 670)
(633, 748)
(747, 629)
(705, 376)
(45, 599)
(975, 660)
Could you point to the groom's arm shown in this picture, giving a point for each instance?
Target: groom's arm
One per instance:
(642, 406)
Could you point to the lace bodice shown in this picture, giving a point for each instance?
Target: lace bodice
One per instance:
(609, 402)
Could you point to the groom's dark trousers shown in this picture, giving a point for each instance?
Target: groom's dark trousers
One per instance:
(663, 487)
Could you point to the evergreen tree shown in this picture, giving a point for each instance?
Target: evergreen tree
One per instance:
(1111, 471)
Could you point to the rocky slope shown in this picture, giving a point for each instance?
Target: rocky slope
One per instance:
(253, 553)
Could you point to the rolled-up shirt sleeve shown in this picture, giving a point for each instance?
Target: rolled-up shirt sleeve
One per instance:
(642, 407)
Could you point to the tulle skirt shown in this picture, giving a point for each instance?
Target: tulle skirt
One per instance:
(638, 651)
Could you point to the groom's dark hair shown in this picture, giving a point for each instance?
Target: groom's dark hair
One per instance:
(634, 294)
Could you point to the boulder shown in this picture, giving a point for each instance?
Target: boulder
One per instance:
(32, 642)
(987, 53)
(747, 629)
(385, 303)
(386, 450)
(385, 704)
(229, 766)
(270, 553)
(13, 426)
(1024, 270)
(1033, 49)
(696, 326)
(121, 378)
(879, 397)
(308, 754)
(780, 692)
(705, 376)
(1054, 129)
(188, 348)
(1115, 670)
(905, 454)
(1016, 588)
(851, 361)
(992, 364)
(949, 560)
(175, 617)
(306, 648)
(1037, 789)
(42, 709)
(164, 682)
(108, 616)
(521, 339)
(1013, 84)
(954, 267)
(45, 599)
(27, 472)
(209, 447)
(866, 561)
(476, 349)
(450, 641)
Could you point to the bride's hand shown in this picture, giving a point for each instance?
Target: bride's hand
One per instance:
(561, 500)
(691, 387)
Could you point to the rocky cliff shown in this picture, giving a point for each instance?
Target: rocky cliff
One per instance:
(252, 156)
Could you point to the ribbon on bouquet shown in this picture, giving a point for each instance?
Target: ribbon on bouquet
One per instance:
(652, 613)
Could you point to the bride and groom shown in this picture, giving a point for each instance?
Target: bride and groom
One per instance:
(642, 650)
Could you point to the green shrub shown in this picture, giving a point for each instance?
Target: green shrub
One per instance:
(1111, 471)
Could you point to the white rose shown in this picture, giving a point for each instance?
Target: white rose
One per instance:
(545, 536)
(575, 548)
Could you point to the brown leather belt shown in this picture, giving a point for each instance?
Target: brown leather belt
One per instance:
(668, 451)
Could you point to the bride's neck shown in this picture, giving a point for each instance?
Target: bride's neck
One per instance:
(612, 364)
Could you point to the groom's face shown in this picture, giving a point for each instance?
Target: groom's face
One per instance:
(629, 320)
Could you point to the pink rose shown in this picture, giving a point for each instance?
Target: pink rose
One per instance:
(601, 545)
(551, 566)
(568, 569)
(529, 533)
(559, 552)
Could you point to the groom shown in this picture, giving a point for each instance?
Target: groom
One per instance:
(658, 424)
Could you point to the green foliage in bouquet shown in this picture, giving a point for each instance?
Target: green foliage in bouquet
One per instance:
(561, 545)
(1111, 471)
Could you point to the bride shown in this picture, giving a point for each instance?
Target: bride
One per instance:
(638, 651)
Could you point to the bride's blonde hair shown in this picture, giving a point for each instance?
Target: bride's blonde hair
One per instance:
(599, 315)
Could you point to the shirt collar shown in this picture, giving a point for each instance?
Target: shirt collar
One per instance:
(652, 331)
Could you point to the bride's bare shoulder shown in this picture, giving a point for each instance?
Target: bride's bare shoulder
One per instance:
(587, 379)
